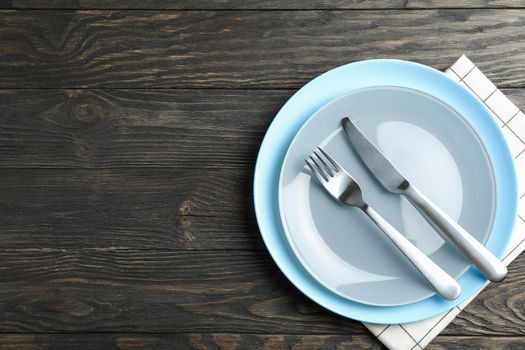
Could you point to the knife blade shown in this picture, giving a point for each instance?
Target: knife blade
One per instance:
(387, 174)
(374, 159)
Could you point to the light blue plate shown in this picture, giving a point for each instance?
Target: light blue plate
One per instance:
(433, 146)
(341, 81)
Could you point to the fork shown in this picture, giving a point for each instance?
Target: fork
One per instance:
(343, 188)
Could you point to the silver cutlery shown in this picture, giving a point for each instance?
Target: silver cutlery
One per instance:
(387, 174)
(340, 185)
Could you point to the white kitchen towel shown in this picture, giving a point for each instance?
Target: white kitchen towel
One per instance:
(417, 335)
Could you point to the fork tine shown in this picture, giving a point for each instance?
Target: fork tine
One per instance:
(314, 171)
(332, 161)
(318, 169)
(319, 176)
(326, 167)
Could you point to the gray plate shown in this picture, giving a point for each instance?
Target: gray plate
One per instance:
(433, 147)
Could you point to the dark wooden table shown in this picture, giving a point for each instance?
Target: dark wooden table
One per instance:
(128, 136)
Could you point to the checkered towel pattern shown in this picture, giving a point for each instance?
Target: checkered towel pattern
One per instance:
(417, 335)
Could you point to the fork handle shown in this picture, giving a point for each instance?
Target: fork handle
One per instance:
(442, 282)
(484, 260)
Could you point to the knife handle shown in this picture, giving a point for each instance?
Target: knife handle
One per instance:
(442, 282)
(493, 269)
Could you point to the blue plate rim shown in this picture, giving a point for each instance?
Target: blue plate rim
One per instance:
(312, 96)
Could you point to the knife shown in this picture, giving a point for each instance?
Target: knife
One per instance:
(387, 174)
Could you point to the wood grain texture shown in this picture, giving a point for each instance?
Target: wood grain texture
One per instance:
(207, 209)
(190, 129)
(245, 49)
(198, 341)
(112, 290)
(203, 4)
(478, 343)
(134, 128)
(415, 4)
(127, 291)
(257, 5)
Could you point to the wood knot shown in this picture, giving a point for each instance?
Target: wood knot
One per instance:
(81, 147)
(189, 237)
(86, 112)
(185, 208)
(185, 221)
(75, 308)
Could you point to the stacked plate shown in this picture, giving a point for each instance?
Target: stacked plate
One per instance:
(439, 135)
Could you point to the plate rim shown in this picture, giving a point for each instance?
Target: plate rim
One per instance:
(282, 215)
(330, 85)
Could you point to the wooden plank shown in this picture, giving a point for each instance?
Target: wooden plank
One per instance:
(201, 4)
(245, 49)
(134, 128)
(478, 343)
(111, 290)
(191, 129)
(257, 5)
(103, 341)
(238, 341)
(115, 290)
(415, 4)
(207, 209)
